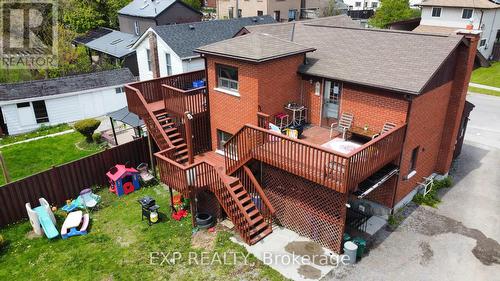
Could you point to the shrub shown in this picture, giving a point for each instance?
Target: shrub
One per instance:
(86, 127)
(2, 241)
(96, 137)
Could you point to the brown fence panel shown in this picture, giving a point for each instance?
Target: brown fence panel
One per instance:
(67, 180)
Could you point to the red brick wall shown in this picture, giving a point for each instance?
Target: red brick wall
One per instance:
(228, 113)
(373, 107)
(269, 84)
(313, 101)
(425, 127)
(279, 84)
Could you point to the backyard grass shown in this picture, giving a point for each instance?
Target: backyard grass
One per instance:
(484, 91)
(42, 131)
(489, 76)
(119, 247)
(28, 158)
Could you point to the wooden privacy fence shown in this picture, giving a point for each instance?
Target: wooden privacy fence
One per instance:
(67, 180)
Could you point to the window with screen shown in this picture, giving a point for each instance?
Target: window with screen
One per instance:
(436, 12)
(40, 110)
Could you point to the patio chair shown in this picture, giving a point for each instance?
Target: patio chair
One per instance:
(342, 125)
(387, 127)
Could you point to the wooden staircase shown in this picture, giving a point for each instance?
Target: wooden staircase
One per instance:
(254, 224)
(168, 126)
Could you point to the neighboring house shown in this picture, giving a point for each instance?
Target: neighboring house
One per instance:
(401, 106)
(140, 15)
(447, 16)
(362, 4)
(280, 10)
(27, 105)
(134, 19)
(320, 8)
(111, 45)
(175, 44)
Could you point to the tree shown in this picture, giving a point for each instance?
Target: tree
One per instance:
(86, 127)
(332, 9)
(391, 11)
(84, 15)
(195, 4)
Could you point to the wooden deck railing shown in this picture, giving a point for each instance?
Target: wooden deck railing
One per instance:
(255, 190)
(138, 104)
(341, 172)
(263, 120)
(201, 175)
(374, 155)
(178, 101)
(301, 158)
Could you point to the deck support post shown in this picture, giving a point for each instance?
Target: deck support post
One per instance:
(113, 129)
(151, 157)
(189, 135)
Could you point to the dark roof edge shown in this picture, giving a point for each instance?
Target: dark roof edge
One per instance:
(254, 60)
(154, 17)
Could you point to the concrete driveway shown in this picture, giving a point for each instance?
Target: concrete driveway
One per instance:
(460, 239)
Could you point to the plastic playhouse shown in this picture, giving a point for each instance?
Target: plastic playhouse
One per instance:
(123, 179)
(42, 219)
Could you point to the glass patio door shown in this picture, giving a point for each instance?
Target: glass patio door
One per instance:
(331, 102)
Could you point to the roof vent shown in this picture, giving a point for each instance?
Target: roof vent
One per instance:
(191, 27)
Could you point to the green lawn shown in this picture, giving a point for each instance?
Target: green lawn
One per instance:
(484, 91)
(119, 247)
(32, 157)
(489, 76)
(42, 131)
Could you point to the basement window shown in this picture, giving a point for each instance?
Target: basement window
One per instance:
(40, 110)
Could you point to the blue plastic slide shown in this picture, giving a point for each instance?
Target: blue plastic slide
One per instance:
(48, 227)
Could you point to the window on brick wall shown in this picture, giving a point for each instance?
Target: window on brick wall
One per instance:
(227, 77)
(222, 138)
(413, 162)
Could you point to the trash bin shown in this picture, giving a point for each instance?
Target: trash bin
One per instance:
(350, 250)
(347, 237)
(361, 243)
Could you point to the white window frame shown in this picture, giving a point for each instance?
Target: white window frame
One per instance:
(168, 63)
(374, 5)
(357, 4)
(485, 42)
(149, 60)
(223, 80)
(471, 14)
(440, 12)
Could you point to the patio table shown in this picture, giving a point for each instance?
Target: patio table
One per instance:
(361, 132)
(298, 113)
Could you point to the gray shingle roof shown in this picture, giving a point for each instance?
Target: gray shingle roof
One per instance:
(146, 8)
(256, 47)
(114, 43)
(395, 60)
(66, 84)
(185, 38)
(481, 4)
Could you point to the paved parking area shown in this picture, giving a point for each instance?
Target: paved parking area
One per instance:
(460, 239)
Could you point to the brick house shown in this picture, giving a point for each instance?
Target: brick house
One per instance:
(324, 182)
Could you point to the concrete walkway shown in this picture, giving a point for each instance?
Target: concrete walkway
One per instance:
(39, 138)
(484, 87)
(460, 239)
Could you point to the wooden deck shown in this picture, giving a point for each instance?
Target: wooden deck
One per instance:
(156, 106)
(317, 135)
(213, 158)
